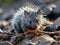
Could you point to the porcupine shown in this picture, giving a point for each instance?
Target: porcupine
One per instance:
(26, 17)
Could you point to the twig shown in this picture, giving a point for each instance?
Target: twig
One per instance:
(44, 32)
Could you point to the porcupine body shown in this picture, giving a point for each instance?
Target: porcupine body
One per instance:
(26, 17)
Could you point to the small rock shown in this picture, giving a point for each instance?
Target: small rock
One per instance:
(43, 40)
(51, 28)
(55, 43)
(51, 6)
(27, 42)
(57, 10)
(1, 26)
(30, 36)
(5, 23)
(1, 11)
(1, 30)
(17, 39)
(5, 43)
(7, 16)
(57, 38)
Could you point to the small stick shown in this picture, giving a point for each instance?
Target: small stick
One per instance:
(5, 35)
(39, 32)
(49, 32)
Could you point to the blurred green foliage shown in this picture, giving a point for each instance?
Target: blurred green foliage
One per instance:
(3, 2)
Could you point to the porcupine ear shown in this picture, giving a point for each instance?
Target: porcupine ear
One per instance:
(39, 11)
(25, 12)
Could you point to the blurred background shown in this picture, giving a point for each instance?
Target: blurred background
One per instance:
(9, 7)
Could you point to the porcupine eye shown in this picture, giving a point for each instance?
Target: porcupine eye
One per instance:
(30, 22)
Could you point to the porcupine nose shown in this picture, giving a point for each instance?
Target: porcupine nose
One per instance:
(33, 25)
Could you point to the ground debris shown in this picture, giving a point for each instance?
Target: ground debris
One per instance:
(8, 35)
